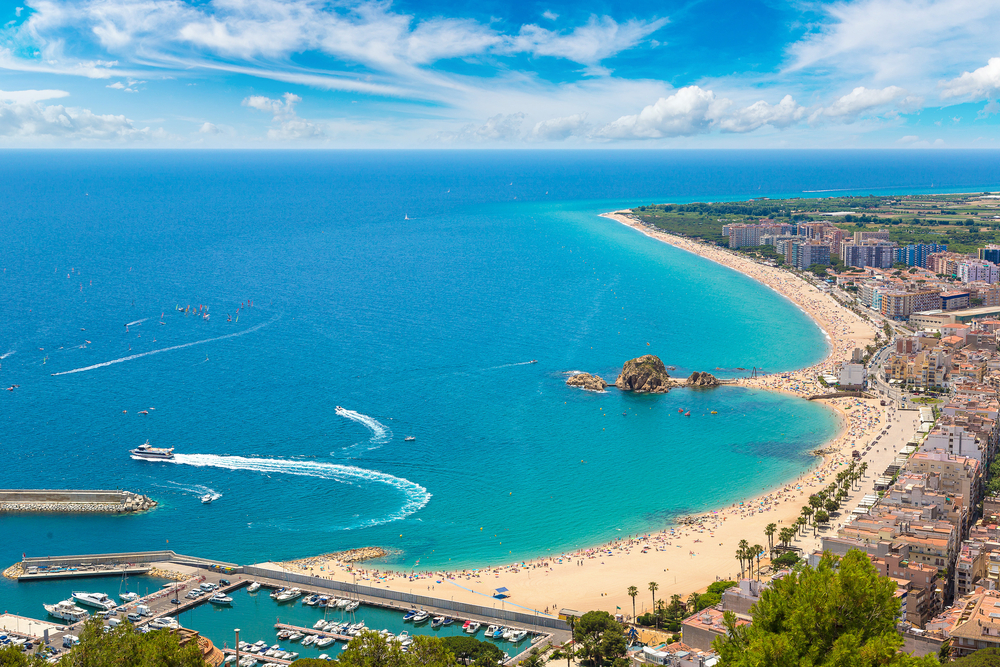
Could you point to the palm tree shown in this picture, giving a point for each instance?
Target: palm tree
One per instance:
(831, 506)
(801, 521)
(807, 512)
(693, 602)
(815, 501)
(742, 554)
(534, 659)
(786, 536)
(653, 587)
(756, 551)
(632, 592)
(821, 517)
(769, 531)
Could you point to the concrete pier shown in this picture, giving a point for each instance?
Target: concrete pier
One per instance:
(72, 500)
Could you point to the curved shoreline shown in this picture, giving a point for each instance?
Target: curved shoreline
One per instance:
(570, 580)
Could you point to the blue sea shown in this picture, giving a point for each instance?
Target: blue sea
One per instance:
(410, 290)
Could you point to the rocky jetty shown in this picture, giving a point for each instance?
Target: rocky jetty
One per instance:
(702, 380)
(588, 382)
(644, 374)
(73, 501)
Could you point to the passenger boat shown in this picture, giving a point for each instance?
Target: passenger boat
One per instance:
(150, 453)
(66, 611)
(98, 600)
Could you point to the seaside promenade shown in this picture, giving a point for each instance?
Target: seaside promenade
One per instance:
(686, 558)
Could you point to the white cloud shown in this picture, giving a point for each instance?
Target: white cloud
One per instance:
(601, 37)
(784, 114)
(129, 86)
(209, 128)
(18, 10)
(981, 83)
(558, 129)
(498, 128)
(29, 120)
(26, 96)
(991, 108)
(287, 126)
(861, 100)
(550, 15)
(908, 139)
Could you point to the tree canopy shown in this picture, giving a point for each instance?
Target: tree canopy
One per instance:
(601, 638)
(124, 646)
(838, 613)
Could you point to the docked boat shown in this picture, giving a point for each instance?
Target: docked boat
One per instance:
(254, 587)
(410, 614)
(324, 642)
(518, 636)
(310, 640)
(319, 625)
(507, 633)
(146, 451)
(220, 599)
(283, 635)
(448, 620)
(128, 596)
(343, 602)
(421, 617)
(295, 636)
(499, 633)
(491, 631)
(352, 605)
(290, 594)
(98, 600)
(437, 622)
(473, 627)
(276, 592)
(66, 611)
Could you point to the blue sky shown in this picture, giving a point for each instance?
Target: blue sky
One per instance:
(583, 74)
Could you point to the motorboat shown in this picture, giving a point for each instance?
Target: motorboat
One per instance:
(343, 602)
(207, 498)
(290, 594)
(128, 596)
(323, 656)
(296, 636)
(324, 642)
(220, 598)
(499, 633)
(473, 627)
(309, 640)
(98, 600)
(352, 605)
(518, 636)
(533, 361)
(283, 635)
(254, 587)
(491, 630)
(409, 438)
(410, 614)
(320, 624)
(291, 656)
(465, 626)
(150, 453)
(507, 633)
(448, 620)
(276, 592)
(66, 611)
(437, 622)
(421, 617)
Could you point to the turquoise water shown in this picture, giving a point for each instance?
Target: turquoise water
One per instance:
(419, 327)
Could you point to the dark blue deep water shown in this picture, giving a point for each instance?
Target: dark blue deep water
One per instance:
(419, 327)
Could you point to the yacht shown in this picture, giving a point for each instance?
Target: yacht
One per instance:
(128, 596)
(473, 627)
(319, 625)
(324, 642)
(66, 610)
(421, 617)
(254, 587)
(518, 636)
(410, 614)
(491, 630)
(220, 598)
(98, 600)
(147, 451)
(290, 594)
(352, 605)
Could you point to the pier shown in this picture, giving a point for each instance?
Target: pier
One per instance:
(255, 656)
(73, 572)
(312, 631)
(73, 500)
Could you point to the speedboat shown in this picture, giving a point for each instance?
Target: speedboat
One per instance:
(533, 361)
(291, 656)
(409, 438)
(352, 605)
(410, 614)
(507, 633)
(283, 635)
(448, 620)
(148, 452)
(473, 627)
(491, 630)
(207, 498)
(128, 596)
(465, 626)
(276, 592)
(66, 611)
(437, 622)
(421, 617)
(518, 636)
(324, 642)
(319, 625)
(98, 600)
(253, 588)
(310, 640)
(295, 636)
(220, 598)
(290, 594)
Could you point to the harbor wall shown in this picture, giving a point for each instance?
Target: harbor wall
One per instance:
(72, 500)
(408, 598)
(161, 556)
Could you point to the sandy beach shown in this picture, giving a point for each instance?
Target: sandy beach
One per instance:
(686, 558)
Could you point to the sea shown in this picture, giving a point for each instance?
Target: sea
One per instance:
(289, 320)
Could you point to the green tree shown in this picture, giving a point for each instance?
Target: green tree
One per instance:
(831, 506)
(469, 648)
(601, 637)
(821, 616)
(632, 593)
(370, 649)
(821, 517)
(756, 551)
(785, 536)
(769, 531)
(534, 659)
(13, 657)
(653, 587)
(125, 647)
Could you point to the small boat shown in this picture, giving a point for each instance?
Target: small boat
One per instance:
(311, 600)
(319, 625)
(292, 656)
(491, 630)
(473, 627)
(448, 620)
(352, 605)
(410, 614)
(283, 635)
(687, 414)
(421, 617)
(437, 622)
(680, 410)
(310, 640)
(409, 438)
(324, 642)
(254, 587)
(533, 361)
(714, 412)
(507, 633)
(128, 596)
(207, 498)
(221, 599)
(290, 594)
(143, 412)
(465, 626)
(342, 603)
(518, 636)
(499, 632)
(295, 636)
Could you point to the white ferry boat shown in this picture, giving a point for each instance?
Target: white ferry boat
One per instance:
(66, 610)
(146, 451)
(98, 600)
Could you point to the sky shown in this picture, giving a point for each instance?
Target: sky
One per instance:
(490, 74)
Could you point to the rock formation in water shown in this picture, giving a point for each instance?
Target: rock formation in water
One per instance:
(587, 381)
(644, 374)
(702, 380)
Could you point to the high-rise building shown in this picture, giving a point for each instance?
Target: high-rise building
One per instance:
(990, 253)
(917, 254)
(879, 254)
(978, 271)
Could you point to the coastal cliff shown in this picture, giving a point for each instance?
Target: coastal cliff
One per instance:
(588, 382)
(702, 380)
(644, 374)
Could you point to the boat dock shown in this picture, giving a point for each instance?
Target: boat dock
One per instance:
(72, 572)
(72, 500)
(264, 658)
(312, 631)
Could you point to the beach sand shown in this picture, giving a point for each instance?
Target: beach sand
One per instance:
(686, 558)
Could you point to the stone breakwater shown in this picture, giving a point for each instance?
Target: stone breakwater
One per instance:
(68, 501)
(340, 557)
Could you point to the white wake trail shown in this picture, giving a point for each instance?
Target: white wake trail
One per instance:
(7, 354)
(132, 324)
(380, 432)
(169, 349)
(416, 495)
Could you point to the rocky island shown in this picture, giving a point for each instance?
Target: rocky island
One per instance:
(645, 374)
(588, 382)
(702, 380)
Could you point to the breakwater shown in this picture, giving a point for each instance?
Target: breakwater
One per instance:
(71, 500)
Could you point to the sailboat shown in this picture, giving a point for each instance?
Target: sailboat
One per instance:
(406, 217)
(124, 593)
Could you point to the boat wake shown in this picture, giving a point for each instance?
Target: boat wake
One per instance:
(169, 349)
(381, 434)
(199, 490)
(519, 363)
(416, 495)
(132, 324)
(7, 354)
